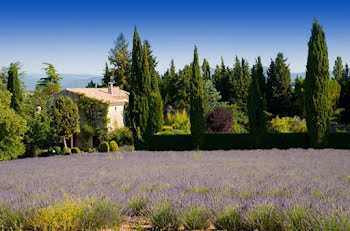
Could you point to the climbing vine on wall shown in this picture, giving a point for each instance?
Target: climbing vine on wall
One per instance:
(95, 112)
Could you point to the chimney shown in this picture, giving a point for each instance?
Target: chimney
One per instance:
(110, 88)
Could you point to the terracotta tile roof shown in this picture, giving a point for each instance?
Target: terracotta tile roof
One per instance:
(119, 96)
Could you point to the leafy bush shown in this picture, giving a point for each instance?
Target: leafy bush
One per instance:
(123, 136)
(137, 205)
(228, 219)
(219, 121)
(58, 150)
(113, 146)
(90, 150)
(194, 218)
(67, 151)
(179, 121)
(104, 147)
(287, 125)
(240, 118)
(264, 216)
(76, 150)
(163, 216)
(167, 128)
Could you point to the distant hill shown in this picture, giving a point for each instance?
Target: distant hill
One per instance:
(68, 81)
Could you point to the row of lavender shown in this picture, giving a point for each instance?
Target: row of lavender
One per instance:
(273, 184)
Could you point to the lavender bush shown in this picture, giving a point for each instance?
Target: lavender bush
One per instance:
(300, 188)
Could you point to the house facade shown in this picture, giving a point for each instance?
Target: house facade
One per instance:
(113, 97)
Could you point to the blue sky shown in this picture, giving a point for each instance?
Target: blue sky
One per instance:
(76, 35)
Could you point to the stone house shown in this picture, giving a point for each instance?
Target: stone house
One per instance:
(114, 98)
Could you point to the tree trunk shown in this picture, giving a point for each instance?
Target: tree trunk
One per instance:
(71, 141)
(64, 142)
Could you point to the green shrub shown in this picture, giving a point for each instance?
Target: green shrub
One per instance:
(287, 125)
(104, 147)
(167, 128)
(137, 205)
(264, 217)
(123, 136)
(67, 151)
(178, 121)
(58, 150)
(228, 219)
(240, 118)
(90, 150)
(76, 150)
(163, 217)
(194, 218)
(113, 146)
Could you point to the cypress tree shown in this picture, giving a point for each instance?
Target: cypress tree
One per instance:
(139, 91)
(152, 63)
(316, 87)
(182, 84)
(256, 103)
(106, 76)
(222, 81)
(338, 70)
(197, 103)
(240, 83)
(345, 99)
(14, 86)
(206, 70)
(155, 120)
(279, 88)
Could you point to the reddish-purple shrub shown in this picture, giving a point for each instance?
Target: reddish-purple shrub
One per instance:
(219, 121)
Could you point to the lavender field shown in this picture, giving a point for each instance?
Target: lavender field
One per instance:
(317, 181)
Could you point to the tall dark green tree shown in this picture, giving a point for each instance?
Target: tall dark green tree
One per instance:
(299, 97)
(168, 88)
(152, 63)
(106, 76)
(257, 103)
(223, 81)
(240, 83)
(155, 120)
(206, 70)
(14, 86)
(182, 84)
(316, 87)
(119, 59)
(345, 98)
(279, 88)
(140, 89)
(197, 118)
(338, 70)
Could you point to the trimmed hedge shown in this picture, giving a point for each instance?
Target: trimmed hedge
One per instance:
(113, 146)
(76, 150)
(340, 140)
(244, 141)
(104, 147)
